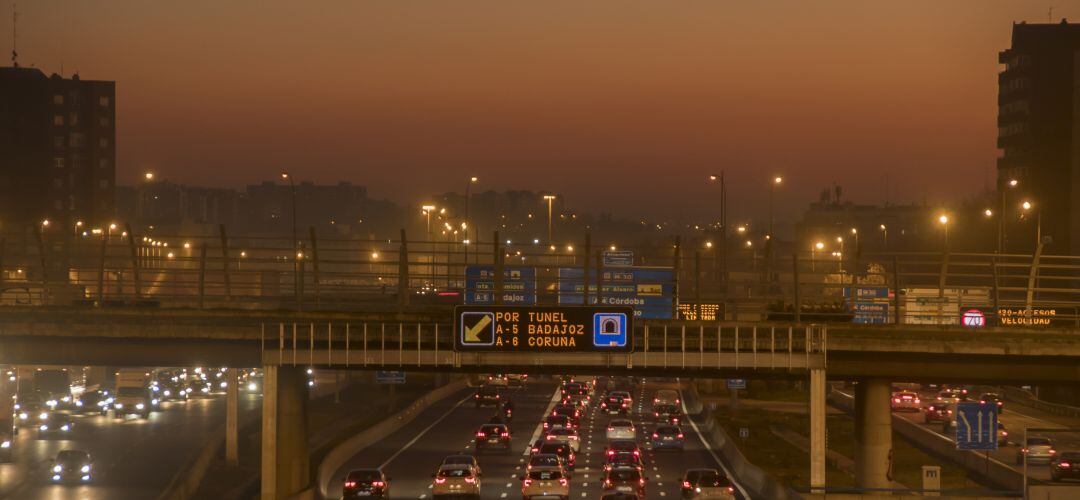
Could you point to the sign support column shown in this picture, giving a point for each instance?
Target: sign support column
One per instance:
(817, 429)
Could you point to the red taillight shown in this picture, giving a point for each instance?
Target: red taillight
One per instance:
(1052, 452)
(655, 435)
(982, 402)
(350, 484)
(916, 400)
(378, 484)
(603, 405)
(440, 480)
(895, 400)
(641, 481)
(686, 484)
(481, 434)
(731, 490)
(1004, 433)
(610, 452)
(562, 481)
(680, 436)
(470, 480)
(504, 434)
(528, 482)
(550, 437)
(1064, 465)
(637, 453)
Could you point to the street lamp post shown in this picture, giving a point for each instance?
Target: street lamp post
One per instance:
(1028, 207)
(550, 198)
(1012, 183)
(772, 185)
(884, 236)
(431, 246)
(944, 221)
(813, 254)
(840, 255)
(468, 221)
(295, 249)
(723, 229)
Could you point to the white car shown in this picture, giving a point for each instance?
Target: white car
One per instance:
(1039, 450)
(621, 428)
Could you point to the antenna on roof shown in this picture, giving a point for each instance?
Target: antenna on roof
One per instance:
(14, 37)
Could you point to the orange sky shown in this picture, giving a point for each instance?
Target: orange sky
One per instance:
(622, 104)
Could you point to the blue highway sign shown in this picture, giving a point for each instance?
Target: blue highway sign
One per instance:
(389, 377)
(976, 426)
(519, 285)
(736, 383)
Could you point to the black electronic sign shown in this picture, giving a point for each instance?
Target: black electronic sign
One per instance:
(543, 329)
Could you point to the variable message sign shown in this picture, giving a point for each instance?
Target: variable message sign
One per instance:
(543, 329)
(649, 290)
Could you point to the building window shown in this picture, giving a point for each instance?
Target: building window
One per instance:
(58, 99)
(104, 163)
(103, 142)
(103, 121)
(103, 101)
(58, 162)
(104, 183)
(58, 120)
(74, 119)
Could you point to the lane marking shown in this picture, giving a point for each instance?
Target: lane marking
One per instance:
(425, 431)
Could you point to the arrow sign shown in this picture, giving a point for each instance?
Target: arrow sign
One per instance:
(976, 426)
(472, 333)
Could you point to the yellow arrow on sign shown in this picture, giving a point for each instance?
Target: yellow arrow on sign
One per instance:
(472, 334)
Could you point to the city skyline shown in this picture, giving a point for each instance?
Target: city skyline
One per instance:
(330, 119)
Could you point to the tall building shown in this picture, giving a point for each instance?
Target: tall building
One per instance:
(1039, 134)
(58, 144)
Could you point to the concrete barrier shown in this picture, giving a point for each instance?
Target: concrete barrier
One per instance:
(1021, 396)
(341, 453)
(993, 471)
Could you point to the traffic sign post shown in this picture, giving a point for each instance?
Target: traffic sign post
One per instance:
(543, 329)
(976, 426)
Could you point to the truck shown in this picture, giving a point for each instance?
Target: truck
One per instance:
(132, 393)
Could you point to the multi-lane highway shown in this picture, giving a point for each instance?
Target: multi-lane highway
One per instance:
(410, 455)
(1016, 419)
(133, 458)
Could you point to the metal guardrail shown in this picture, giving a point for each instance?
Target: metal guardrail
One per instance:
(687, 346)
(313, 272)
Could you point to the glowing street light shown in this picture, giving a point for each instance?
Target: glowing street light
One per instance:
(944, 221)
(988, 213)
(885, 235)
(550, 198)
(708, 244)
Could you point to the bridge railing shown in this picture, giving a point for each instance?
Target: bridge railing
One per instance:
(681, 280)
(660, 344)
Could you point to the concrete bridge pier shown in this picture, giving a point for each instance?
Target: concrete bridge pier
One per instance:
(817, 429)
(873, 434)
(285, 468)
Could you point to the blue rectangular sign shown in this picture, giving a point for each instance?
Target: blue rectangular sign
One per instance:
(389, 377)
(736, 383)
(649, 290)
(866, 292)
(519, 285)
(618, 258)
(976, 426)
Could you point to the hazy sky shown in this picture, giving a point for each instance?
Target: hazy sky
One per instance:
(621, 105)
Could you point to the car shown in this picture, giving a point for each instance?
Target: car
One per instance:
(1002, 435)
(71, 466)
(992, 398)
(469, 460)
(91, 402)
(30, 410)
(455, 481)
(625, 480)
(626, 397)
(949, 396)
(614, 404)
(663, 411)
(673, 419)
(565, 453)
(565, 436)
(621, 428)
(545, 482)
(498, 379)
(56, 424)
(557, 421)
(707, 484)
(570, 411)
(623, 459)
(622, 445)
(493, 436)
(666, 397)
(936, 412)
(516, 379)
(578, 396)
(905, 401)
(545, 460)
(569, 386)
(1037, 450)
(487, 395)
(535, 448)
(668, 437)
(1065, 466)
(366, 483)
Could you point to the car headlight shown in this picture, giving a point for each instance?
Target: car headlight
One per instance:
(65, 427)
(119, 406)
(57, 468)
(23, 416)
(252, 387)
(5, 445)
(66, 399)
(86, 477)
(223, 385)
(85, 469)
(78, 403)
(43, 427)
(42, 416)
(205, 389)
(154, 402)
(168, 393)
(139, 406)
(51, 403)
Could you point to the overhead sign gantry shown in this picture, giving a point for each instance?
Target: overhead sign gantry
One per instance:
(543, 329)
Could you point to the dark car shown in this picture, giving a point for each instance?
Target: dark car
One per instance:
(493, 436)
(536, 446)
(622, 445)
(623, 459)
(568, 410)
(562, 450)
(487, 395)
(91, 402)
(614, 404)
(992, 398)
(936, 412)
(662, 412)
(667, 437)
(554, 421)
(366, 483)
(625, 480)
(57, 424)
(706, 483)
(71, 465)
(1065, 466)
